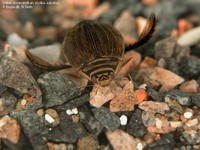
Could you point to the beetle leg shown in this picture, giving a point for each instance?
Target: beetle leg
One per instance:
(39, 62)
(146, 34)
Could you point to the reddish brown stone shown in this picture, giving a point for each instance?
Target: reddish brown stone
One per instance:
(148, 62)
(166, 78)
(190, 86)
(124, 100)
(140, 96)
(87, 143)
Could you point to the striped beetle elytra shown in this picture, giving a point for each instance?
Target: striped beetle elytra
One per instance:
(96, 50)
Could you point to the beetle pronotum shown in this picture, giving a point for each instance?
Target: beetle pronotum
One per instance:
(96, 49)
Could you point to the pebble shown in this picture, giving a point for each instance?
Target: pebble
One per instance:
(26, 119)
(135, 125)
(190, 37)
(87, 143)
(7, 103)
(148, 118)
(182, 98)
(106, 118)
(123, 120)
(165, 48)
(173, 104)
(188, 115)
(156, 107)
(140, 95)
(192, 122)
(23, 102)
(190, 67)
(190, 87)
(148, 62)
(72, 130)
(9, 129)
(54, 146)
(124, 101)
(175, 124)
(121, 140)
(17, 76)
(166, 78)
(92, 125)
(57, 89)
(49, 118)
(74, 103)
(15, 40)
(165, 142)
(73, 111)
(50, 53)
(195, 100)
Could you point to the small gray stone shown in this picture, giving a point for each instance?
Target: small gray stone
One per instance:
(166, 142)
(106, 118)
(7, 103)
(15, 75)
(196, 100)
(67, 131)
(74, 103)
(165, 48)
(2, 88)
(91, 123)
(57, 89)
(180, 96)
(30, 122)
(135, 126)
(190, 67)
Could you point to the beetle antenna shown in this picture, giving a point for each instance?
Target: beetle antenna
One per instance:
(146, 34)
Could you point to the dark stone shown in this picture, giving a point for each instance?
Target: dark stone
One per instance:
(92, 125)
(135, 126)
(165, 48)
(17, 76)
(172, 65)
(196, 100)
(108, 119)
(74, 103)
(57, 89)
(2, 88)
(181, 97)
(166, 142)
(38, 142)
(3, 35)
(30, 122)
(155, 95)
(190, 67)
(8, 102)
(67, 131)
(35, 104)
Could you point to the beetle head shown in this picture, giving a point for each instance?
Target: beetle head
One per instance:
(103, 78)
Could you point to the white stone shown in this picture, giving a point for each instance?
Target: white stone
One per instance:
(158, 123)
(140, 146)
(75, 111)
(69, 112)
(15, 40)
(23, 102)
(49, 118)
(123, 120)
(143, 86)
(188, 115)
(175, 124)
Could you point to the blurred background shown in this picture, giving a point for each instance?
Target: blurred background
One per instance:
(35, 23)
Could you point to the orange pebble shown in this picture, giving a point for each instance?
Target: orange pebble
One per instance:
(183, 26)
(140, 96)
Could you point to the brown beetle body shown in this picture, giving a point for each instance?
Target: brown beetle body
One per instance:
(96, 50)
